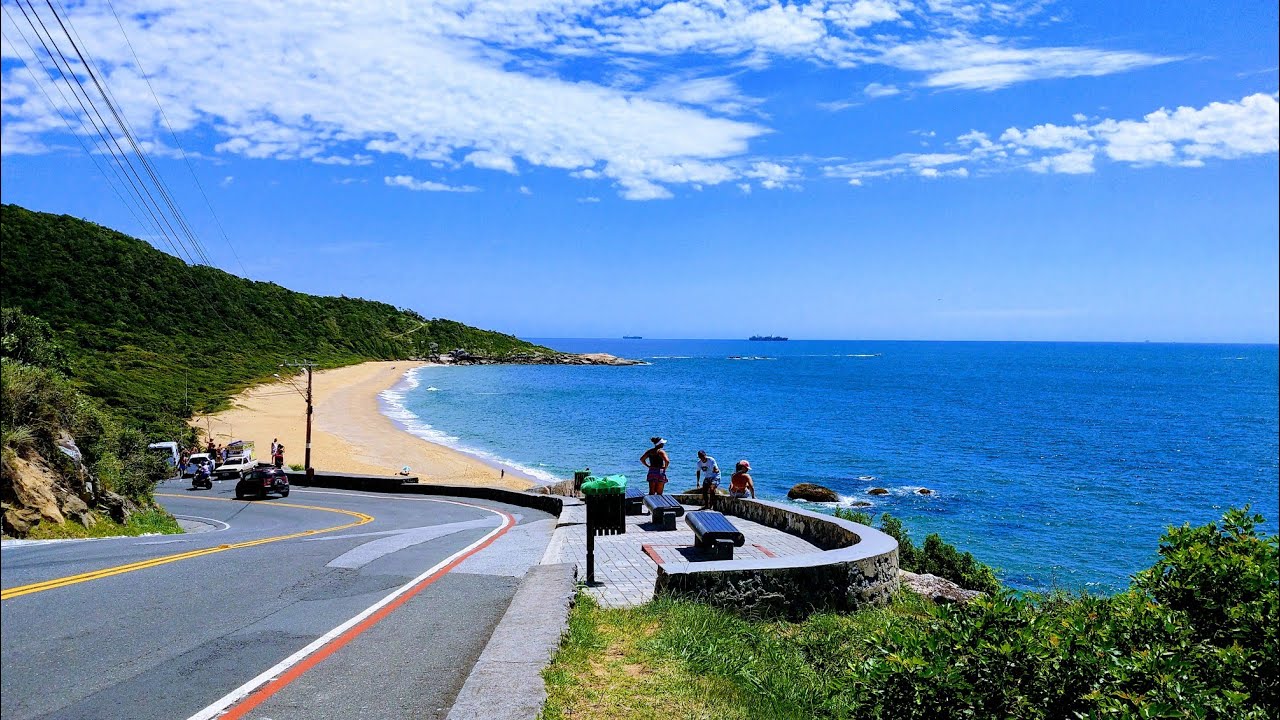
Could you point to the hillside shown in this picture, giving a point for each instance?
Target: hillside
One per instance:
(157, 339)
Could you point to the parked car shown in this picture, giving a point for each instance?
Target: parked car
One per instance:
(195, 461)
(234, 468)
(260, 481)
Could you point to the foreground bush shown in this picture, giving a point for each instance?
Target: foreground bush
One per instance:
(1194, 637)
(936, 556)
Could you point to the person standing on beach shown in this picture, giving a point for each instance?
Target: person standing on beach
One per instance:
(741, 483)
(656, 459)
(278, 457)
(275, 442)
(708, 476)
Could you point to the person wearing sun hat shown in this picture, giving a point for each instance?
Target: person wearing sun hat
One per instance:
(656, 459)
(741, 484)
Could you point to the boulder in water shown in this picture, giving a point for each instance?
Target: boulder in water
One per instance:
(812, 493)
(877, 491)
(925, 491)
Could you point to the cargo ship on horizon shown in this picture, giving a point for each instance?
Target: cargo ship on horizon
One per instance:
(772, 338)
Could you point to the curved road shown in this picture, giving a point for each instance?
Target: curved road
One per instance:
(327, 603)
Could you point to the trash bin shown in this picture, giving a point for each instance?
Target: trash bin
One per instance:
(579, 477)
(605, 499)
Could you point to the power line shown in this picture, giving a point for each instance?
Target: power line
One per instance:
(103, 129)
(133, 143)
(130, 204)
(176, 143)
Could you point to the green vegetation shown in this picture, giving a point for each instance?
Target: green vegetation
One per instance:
(41, 406)
(153, 521)
(936, 556)
(1195, 636)
(157, 340)
(609, 667)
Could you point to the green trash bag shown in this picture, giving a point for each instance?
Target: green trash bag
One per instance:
(607, 485)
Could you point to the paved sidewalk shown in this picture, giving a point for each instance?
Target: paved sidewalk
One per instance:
(627, 564)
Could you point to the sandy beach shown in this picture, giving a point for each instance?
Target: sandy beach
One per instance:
(349, 432)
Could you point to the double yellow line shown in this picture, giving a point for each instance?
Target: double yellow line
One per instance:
(14, 592)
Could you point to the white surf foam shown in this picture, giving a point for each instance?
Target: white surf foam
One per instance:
(393, 406)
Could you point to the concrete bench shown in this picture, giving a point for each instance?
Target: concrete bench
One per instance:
(714, 533)
(634, 501)
(664, 510)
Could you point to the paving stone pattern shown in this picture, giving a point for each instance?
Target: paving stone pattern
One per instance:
(625, 568)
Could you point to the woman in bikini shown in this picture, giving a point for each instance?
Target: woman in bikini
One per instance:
(655, 458)
(741, 483)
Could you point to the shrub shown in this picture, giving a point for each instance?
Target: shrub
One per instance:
(936, 556)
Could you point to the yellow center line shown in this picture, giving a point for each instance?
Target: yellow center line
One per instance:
(361, 519)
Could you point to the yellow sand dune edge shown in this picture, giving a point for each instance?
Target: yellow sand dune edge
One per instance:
(349, 432)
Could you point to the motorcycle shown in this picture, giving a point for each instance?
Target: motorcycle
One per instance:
(202, 480)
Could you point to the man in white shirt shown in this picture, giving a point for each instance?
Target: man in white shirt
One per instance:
(708, 476)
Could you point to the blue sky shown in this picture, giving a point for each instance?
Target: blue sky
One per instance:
(876, 169)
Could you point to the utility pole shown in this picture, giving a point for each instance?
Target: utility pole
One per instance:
(310, 366)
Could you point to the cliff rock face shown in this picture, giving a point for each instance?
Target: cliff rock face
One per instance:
(35, 490)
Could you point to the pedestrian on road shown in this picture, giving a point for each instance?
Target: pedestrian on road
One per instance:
(740, 484)
(708, 476)
(656, 459)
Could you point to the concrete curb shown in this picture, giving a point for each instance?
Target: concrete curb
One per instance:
(506, 682)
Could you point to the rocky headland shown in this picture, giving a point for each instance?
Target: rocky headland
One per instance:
(464, 357)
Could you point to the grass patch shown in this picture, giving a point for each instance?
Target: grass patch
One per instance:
(611, 667)
(142, 523)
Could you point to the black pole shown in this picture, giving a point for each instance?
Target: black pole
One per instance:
(311, 473)
(591, 552)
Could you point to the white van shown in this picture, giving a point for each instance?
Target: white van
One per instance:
(166, 450)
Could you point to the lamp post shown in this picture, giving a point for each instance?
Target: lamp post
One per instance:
(311, 473)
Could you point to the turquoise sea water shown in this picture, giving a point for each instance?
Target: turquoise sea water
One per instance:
(1058, 463)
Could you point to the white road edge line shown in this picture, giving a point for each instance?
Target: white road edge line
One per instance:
(235, 696)
(204, 519)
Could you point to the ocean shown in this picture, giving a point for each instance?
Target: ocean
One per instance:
(1060, 464)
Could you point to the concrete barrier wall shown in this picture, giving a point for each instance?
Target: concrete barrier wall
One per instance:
(858, 566)
(395, 484)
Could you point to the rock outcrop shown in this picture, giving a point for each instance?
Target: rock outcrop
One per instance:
(939, 590)
(877, 491)
(463, 357)
(35, 492)
(812, 493)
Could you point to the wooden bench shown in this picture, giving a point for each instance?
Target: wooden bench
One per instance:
(664, 510)
(635, 501)
(714, 533)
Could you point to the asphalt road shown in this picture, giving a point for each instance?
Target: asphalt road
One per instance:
(273, 613)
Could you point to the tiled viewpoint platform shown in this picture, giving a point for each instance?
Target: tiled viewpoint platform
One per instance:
(627, 564)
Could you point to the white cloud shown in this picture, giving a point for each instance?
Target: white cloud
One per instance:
(524, 190)
(590, 199)
(410, 183)
(226, 181)
(772, 176)
(457, 82)
(492, 161)
(1184, 137)
(876, 90)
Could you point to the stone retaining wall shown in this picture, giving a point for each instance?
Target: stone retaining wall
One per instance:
(858, 566)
